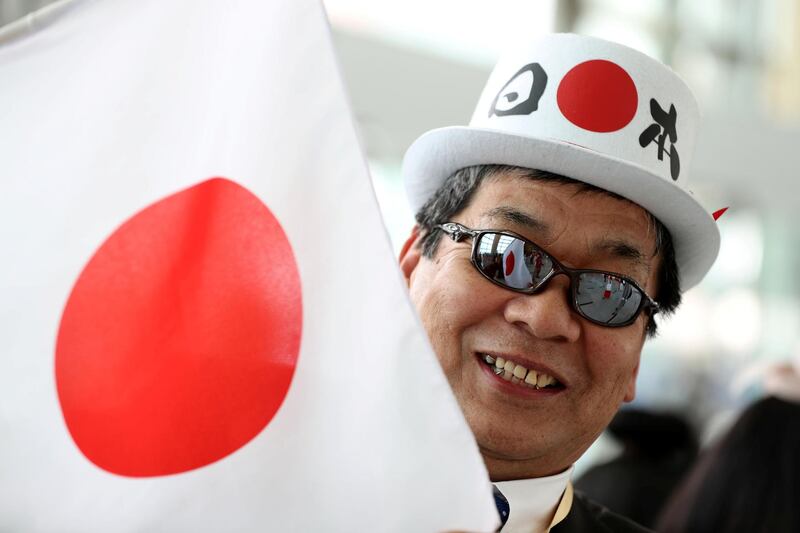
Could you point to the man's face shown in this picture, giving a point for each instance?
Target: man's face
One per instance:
(524, 432)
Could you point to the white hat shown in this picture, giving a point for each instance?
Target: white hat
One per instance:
(591, 110)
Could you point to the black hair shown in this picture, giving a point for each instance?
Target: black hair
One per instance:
(458, 189)
(748, 481)
(653, 434)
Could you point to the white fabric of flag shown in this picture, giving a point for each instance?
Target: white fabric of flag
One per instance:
(514, 268)
(203, 326)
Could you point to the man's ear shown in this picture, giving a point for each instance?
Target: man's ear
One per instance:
(410, 254)
(630, 393)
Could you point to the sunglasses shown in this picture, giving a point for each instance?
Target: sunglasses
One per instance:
(515, 263)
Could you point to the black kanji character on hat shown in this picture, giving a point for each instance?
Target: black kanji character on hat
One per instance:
(663, 128)
(520, 95)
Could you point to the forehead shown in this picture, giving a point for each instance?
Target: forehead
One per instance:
(557, 213)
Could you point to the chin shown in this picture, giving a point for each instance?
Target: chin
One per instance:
(510, 454)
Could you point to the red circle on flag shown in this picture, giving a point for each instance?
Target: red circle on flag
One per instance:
(180, 338)
(509, 263)
(598, 96)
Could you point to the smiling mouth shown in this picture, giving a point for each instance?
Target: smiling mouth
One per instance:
(518, 374)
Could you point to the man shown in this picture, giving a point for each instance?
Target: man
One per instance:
(551, 231)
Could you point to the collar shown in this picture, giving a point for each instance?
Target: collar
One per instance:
(537, 502)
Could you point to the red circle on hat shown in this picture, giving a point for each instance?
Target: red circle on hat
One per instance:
(180, 338)
(598, 95)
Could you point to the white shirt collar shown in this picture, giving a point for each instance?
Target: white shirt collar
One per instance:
(532, 502)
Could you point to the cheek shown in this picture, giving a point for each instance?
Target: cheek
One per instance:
(449, 301)
(435, 305)
(443, 289)
(613, 355)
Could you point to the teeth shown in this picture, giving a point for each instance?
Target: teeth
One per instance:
(541, 381)
(518, 374)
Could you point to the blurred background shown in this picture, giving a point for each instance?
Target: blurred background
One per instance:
(414, 65)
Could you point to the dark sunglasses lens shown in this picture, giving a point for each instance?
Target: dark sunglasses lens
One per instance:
(607, 299)
(512, 262)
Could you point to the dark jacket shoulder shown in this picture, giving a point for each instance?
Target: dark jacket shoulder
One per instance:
(586, 515)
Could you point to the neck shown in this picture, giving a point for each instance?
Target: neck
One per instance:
(508, 470)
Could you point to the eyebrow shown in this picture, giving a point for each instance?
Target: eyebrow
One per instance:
(623, 250)
(615, 247)
(515, 216)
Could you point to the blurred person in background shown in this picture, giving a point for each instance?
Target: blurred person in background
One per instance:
(658, 450)
(749, 480)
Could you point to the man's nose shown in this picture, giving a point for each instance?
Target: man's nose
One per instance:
(546, 314)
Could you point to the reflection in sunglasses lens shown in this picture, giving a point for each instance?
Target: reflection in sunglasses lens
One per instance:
(512, 262)
(521, 265)
(605, 298)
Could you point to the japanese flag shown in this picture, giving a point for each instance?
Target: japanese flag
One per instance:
(514, 268)
(202, 324)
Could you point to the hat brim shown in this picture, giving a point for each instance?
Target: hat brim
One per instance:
(439, 153)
